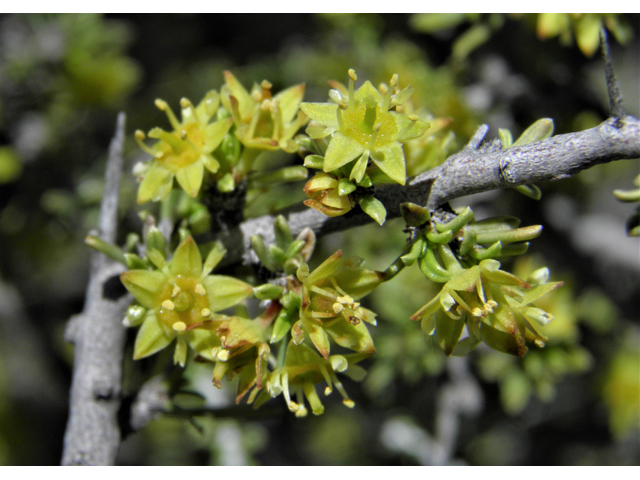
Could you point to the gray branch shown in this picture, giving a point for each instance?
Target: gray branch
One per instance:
(477, 168)
(93, 435)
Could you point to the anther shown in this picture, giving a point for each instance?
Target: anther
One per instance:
(327, 391)
(168, 304)
(352, 74)
(205, 312)
(179, 326)
(164, 106)
(477, 312)
(223, 355)
(338, 308)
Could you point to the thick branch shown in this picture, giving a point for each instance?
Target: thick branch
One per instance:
(477, 168)
(93, 436)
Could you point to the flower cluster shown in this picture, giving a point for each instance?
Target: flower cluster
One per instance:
(494, 306)
(365, 134)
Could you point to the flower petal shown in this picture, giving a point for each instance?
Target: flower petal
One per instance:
(146, 286)
(224, 292)
(190, 178)
(390, 159)
(342, 150)
(215, 132)
(152, 337)
(156, 184)
(323, 113)
(186, 260)
(289, 101)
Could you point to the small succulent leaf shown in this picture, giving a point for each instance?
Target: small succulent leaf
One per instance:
(506, 139)
(186, 260)
(539, 130)
(314, 161)
(390, 159)
(342, 150)
(374, 208)
(152, 337)
(283, 232)
(323, 113)
(268, 291)
(531, 191)
(588, 33)
(224, 292)
(414, 215)
(146, 286)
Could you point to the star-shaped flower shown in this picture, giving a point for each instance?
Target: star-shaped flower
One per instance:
(364, 127)
(183, 153)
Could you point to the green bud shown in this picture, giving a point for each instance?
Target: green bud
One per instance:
(134, 262)
(268, 291)
(314, 161)
(283, 232)
(345, 187)
(112, 251)
(134, 316)
(257, 243)
(531, 191)
(155, 240)
(226, 184)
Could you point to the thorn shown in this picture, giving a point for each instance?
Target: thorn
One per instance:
(615, 97)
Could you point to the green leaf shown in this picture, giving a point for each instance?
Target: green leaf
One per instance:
(152, 337)
(374, 208)
(539, 130)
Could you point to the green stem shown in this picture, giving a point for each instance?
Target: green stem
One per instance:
(247, 157)
(395, 268)
(282, 349)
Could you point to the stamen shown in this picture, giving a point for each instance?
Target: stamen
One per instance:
(176, 291)
(164, 106)
(323, 292)
(266, 89)
(205, 312)
(346, 400)
(168, 304)
(179, 326)
(337, 308)
(374, 135)
(140, 136)
(327, 378)
(352, 78)
(223, 355)
(186, 104)
(200, 290)
(478, 312)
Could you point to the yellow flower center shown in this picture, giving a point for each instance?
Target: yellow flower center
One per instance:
(361, 122)
(183, 303)
(184, 148)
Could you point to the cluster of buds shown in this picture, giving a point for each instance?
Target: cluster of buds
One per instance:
(358, 144)
(494, 305)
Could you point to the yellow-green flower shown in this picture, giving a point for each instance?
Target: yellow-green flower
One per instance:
(263, 121)
(303, 368)
(180, 299)
(329, 307)
(183, 153)
(495, 306)
(364, 127)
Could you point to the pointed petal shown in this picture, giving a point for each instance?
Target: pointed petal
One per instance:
(190, 178)
(390, 159)
(210, 163)
(224, 292)
(353, 337)
(342, 150)
(146, 286)
(317, 335)
(235, 88)
(213, 258)
(215, 132)
(323, 113)
(152, 337)
(326, 268)
(289, 101)
(368, 90)
(156, 184)
(186, 260)
(204, 339)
